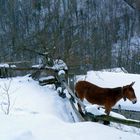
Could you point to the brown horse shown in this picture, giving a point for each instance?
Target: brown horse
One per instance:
(106, 97)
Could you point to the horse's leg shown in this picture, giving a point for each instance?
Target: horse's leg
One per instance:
(107, 111)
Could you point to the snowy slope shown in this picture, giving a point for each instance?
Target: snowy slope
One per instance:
(38, 113)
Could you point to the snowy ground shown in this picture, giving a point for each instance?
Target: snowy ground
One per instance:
(38, 113)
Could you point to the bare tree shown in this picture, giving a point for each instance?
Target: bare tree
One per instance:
(6, 98)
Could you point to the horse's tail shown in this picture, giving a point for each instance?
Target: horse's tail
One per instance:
(72, 98)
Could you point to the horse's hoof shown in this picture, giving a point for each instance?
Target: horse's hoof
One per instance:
(106, 122)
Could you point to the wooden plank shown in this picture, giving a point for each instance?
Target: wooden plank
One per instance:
(73, 95)
(130, 114)
(62, 80)
(128, 122)
(15, 62)
(76, 111)
(30, 68)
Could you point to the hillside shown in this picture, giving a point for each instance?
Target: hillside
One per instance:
(84, 30)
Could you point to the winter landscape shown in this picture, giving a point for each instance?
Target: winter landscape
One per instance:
(38, 113)
(46, 46)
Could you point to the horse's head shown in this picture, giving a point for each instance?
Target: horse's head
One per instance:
(129, 93)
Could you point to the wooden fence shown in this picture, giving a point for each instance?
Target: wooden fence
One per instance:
(60, 78)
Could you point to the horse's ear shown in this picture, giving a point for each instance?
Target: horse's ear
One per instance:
(132, 84)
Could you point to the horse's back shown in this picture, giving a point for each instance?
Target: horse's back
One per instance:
(91, 92)
(84, 84)
(84, 88)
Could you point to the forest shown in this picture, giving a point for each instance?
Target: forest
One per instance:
(86, 34)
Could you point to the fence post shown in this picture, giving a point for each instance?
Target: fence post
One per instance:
(71, 81)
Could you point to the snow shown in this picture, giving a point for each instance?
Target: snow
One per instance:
(61, 72)
(46, 78)
(133, 44)
(59, 65)
(94, 109)
(4, 65)
(37, 66)
(116, 70)
(38, 113)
